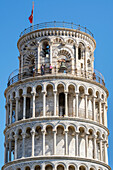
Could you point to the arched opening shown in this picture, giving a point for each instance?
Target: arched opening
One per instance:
(19, 144)
(48, 167)
(60, 167)
(45, 49)
(39, 102)
(31, 66)
(71, 167)
(38, 141)
(61, 104)
(49, 140)
(49, 101)
(82, 168)
(27, 168)
(60, 141)
(28, 142)
(37, 167)
(20, 105)
(81, 102)
(71, 101)
(71, 140)
(29, 103)
(82, 148)
(13, 108)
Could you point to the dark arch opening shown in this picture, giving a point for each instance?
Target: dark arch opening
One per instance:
(61, 104)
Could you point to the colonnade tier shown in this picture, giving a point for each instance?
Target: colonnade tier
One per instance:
(41, 99)
(76, 139)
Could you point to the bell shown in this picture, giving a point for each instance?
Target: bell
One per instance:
(63, 65)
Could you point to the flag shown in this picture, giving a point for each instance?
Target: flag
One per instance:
(31, 16)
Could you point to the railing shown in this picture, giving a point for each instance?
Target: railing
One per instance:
(56, 24)
(96, 76)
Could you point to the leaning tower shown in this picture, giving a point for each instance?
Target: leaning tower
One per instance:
(56, 102)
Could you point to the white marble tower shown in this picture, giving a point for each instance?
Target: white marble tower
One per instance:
(56, 102)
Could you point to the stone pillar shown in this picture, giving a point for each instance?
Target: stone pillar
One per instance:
(38, 58)
(24, 106)
(66, 142)
(95, 147)
(44, 103)
(10, 111)
(23, 144)
(76, 104)
(16, 138)
(54, 145)
(66, 104)
(55, 95)
(104, 109)
(73, 68)
(57, 104)
(9, 149)
(33, 142)
(6, 153)
(86, 107)
(51, 53)
(16, 118)
(76, 144)
(86, 144)
(74, 99)
(101, 149)
(100, 112)
(94, 113)
(106, 152)
(85, 60)
(43, 141)
(33, 112)
(76, 56)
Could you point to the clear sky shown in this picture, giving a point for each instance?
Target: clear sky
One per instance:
(96, 15)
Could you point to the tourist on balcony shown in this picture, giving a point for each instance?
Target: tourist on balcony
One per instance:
(50, 68)
(42, 69)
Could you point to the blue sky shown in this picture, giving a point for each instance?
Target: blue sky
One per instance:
(96, 15)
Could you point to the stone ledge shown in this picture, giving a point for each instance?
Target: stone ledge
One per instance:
(50, 158)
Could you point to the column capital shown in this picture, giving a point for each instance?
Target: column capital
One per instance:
(32, 131)
(43, 131)
(54, 131)
(66, 130)
(23, 135)
(16, 137)
(65, 92)
(43, 91)
(24, 95)
(54, 91)
(33, 92)
(17, 97)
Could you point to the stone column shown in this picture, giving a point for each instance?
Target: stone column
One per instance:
(33, 112)
(106, 152)
(104, 109)
(66, 104)
(101, 149)
(16, 138)
(38, 58)
(76, 104)
(6, 107)
(76, 56)
(6, 153)
(85, 60)
(95, 147)
(23, 144)
(33, 142)
(86, 106)
(9, 149)
(24, 106)
(17, 98)
(43, 142)
(57, 104)
(86, 144)
(94, 113)
(51, 53)
(54, 147)
(76, 143)
(74, 99)
(55, 94)
(44, 103)
(100, 112)
(10, 111)
(66, 142)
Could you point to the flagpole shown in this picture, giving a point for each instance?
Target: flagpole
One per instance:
(33, 16)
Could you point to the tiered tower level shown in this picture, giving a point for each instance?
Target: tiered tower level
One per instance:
(56, 119)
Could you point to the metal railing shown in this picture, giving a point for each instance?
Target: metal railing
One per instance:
(56, 24)
(96, 76)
